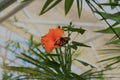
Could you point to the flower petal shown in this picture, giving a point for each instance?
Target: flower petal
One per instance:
(56, 33)
(49, 39)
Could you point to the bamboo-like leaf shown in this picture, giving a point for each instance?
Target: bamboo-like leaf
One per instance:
(78, 77)
(78, 30)
(42, 57)
(115, 62)
(68, 5)
(79, 7)
(42, 54)
(53, 55)
(86, 72)
(110, 51)
(35, 62)
(110, 4)
(111, 58)
(97, 3)
(52, 64)
(85, 63)
(73, 47)
(23, 70)
(108, 30)
(49, 4)
(29, 60)
(113, 17)
(115, 1)
(79, 44)
(116, 41)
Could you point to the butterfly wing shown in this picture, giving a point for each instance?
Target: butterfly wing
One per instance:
(62, 41)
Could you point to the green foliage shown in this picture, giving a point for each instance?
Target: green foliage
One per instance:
(109, 31)
(84, 63)
(114, 17)
(79, 7)
(44, 66)
(68, 5)
(73, 29)
(57, 66)
(7, 76)
(48, 5)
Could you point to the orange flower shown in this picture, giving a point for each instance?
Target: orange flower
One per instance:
(49, 39)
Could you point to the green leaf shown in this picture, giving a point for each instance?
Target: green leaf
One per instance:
(110, 51)
(68, 5)
(79, 44)
(114, 17)
(114, 1)
(110, 4)
(23, 70)
(79, 7)
(108, 30)
(116, 41)
(84, 63)
(73, 46)
(111, 58)
(35, 62)
(52, 55)
(78, 77)
(51, 64)
(78, 30)
(31, 42)
(38, 54)
(29, 59)
(49, 4)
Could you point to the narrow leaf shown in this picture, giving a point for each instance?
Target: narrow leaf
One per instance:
(51, 64)
(116, 41)
(74, 47)
(110, 4)
(108, 30)
(23, 69)
(113, 17)
(78, 30)
(79, 44)
(79, 7)
(84, 63)
(68, 5)
(49, 4)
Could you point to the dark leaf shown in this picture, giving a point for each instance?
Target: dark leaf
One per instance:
(84, 63)
(52, 55)
(73, 46)
(49, 4)
(116, 41)
(78, 30)
(79, 7)
(78, 77)
(79, 44)
(108, 30)
(110, 4)
(114, 17)
(111, 58)
(23, 69)
(68, 5)
(51, 64)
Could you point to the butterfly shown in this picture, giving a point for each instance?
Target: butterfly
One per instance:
(62, 41)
